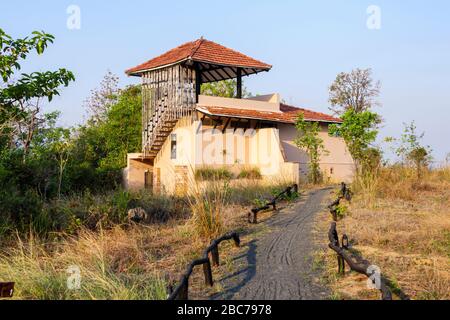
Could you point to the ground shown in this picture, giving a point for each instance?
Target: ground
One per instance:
(403, 228)
(278, 264)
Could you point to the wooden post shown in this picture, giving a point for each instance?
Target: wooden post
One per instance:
(236, 239)
(253, 216)
(239, 83)
(6, 289)
(208, 273)
(198, 82)
(184, 292)
(215, 256)
(288, 192)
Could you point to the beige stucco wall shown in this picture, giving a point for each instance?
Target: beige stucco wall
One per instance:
(269, 103)
(337, 166)
(243, 149)
(134, 173)
(271, 150)
(167, 167)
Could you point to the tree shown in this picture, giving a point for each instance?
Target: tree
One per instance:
(20, 99)
(411, 150)
(100, 149)
(51, 148)
(359, 131)
(309, 139)
(103, 98)
(355, 90)
(225, 88)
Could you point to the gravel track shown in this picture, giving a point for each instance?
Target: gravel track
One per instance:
(279, 266)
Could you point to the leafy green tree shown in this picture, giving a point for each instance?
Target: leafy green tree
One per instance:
(122, 130)
(20, 99)
(355, 90)
(308, 138)
(225, 89)
(100, 148)
(359, 130)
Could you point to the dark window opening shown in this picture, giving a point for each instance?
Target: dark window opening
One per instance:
(173, 146)
(239, 125)
(265, 125)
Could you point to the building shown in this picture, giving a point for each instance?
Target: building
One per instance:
(184, 130)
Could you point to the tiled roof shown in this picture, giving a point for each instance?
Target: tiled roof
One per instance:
(201, 50)
(288, 114)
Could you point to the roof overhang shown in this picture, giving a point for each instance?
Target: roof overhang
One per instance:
(271, 116)
(210, 72)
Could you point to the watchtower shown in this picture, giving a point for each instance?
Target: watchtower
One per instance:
(171, 85)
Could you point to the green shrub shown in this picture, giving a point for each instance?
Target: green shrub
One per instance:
(253, 173)
(341, 211)
(209, 174)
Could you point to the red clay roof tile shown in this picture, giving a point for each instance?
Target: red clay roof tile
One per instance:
(288, 114)
(201, 50)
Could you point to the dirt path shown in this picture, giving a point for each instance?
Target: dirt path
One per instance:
(279, 265)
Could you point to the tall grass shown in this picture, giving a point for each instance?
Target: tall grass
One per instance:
(112, 266)
(366, 184)
(208, 202)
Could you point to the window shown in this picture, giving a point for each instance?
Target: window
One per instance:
(173, 146)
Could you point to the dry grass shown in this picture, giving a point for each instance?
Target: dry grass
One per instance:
(405, 231)
(130, 262)
(120, 263)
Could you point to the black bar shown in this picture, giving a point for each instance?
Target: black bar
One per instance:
(239, 83)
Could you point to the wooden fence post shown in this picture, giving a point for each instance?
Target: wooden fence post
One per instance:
(6, 289)
(208, 273)
(215, 256)
(184, 291)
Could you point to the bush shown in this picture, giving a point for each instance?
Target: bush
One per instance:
(253, 173)
(210, 174)
(86, 210)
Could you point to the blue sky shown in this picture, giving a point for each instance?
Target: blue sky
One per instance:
(307, 42)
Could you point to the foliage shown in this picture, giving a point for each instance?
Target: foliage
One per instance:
(359, 131)
(251, 173)
(224, 88)
(16, 96)
(355, 90)
(411, 150)
(209, 174)
(63, 161)
(341, 211)
(309, 139)
(100, 148)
